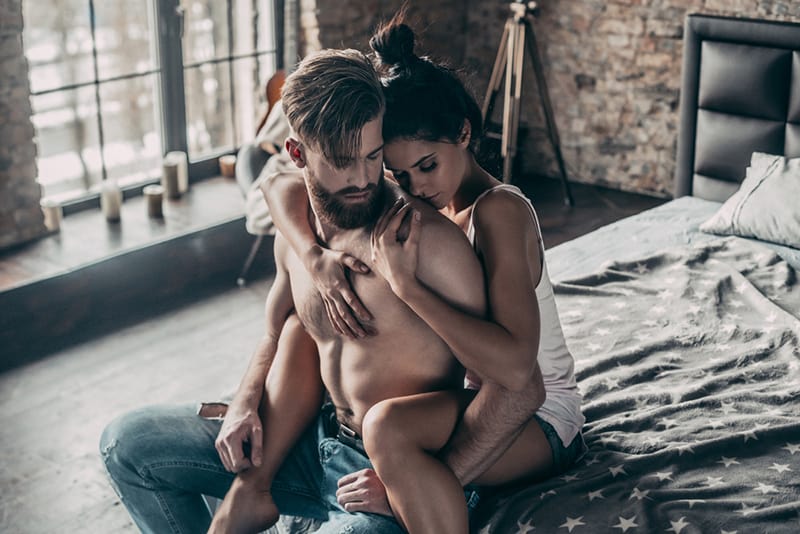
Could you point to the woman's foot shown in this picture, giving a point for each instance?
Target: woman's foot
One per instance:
(246, 509)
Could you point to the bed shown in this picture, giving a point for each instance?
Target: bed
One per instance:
(687, 344)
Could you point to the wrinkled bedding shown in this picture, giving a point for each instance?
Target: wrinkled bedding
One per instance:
(689, 362)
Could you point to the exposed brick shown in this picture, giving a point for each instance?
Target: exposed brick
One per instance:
(664, 28)
(632, 50)
(20, 215)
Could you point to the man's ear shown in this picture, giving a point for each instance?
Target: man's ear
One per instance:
(466, 133)
(295, 150)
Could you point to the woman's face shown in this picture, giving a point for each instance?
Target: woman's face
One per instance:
(430, 170)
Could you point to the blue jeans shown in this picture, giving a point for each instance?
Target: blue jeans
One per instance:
(162, 459)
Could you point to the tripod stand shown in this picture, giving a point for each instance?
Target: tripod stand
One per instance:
(510, 58)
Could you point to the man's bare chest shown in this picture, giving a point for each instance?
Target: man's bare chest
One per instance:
(309, 303)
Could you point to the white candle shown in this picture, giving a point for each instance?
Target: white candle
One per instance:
(154, 196)
(170, 175)
(111, 200)
(52, 214)
(179, 159)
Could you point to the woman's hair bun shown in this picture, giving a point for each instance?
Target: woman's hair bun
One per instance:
(394, 44)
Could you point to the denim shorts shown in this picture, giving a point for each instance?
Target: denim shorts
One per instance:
(564, 457)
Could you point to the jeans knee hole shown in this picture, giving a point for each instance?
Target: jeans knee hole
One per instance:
(106, 452)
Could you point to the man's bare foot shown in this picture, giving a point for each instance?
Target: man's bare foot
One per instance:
(246, 509)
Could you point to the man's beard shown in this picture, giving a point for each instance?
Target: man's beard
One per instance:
(335, 210)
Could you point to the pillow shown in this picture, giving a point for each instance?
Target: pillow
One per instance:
(767, 204)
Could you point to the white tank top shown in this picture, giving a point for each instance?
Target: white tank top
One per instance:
(562, 407)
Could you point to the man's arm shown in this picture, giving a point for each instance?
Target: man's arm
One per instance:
(241, 424)
(490, 424)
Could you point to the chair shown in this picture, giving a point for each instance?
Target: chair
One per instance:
(250, 160)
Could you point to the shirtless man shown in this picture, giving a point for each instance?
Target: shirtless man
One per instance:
(162, 459)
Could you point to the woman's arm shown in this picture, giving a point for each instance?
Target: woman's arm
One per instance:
(287, 198)
(504, 348)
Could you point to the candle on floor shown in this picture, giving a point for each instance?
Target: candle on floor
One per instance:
(111, 201)
(227, 165)
(52, 214)
(179, 159)
(154, 196)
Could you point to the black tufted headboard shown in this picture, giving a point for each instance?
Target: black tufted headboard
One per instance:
(740, 93)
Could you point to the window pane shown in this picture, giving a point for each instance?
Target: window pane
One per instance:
(248, 98)
(252, 76)
(125, 37)
(253, 27)
(208, 110)
(58, 43)
(266, 25)
(68, 140)
(205, 34)
(132, 140)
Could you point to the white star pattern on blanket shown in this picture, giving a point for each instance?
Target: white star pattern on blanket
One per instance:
(692, 407)
(571, 523)
(626, 523)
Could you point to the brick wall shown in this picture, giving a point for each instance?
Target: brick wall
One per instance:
(440, 25)
(614, 71)
(20, 216)
(613, 68)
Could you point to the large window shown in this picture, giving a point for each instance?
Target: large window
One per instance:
(115, 84)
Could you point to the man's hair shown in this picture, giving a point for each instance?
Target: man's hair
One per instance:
(329, 99)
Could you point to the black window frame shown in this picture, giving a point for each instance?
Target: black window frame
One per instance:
(170, 69)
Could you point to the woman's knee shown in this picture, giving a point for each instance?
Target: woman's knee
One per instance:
(384, 430)
(294, 336)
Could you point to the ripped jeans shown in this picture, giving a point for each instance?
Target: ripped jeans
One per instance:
(162, 460)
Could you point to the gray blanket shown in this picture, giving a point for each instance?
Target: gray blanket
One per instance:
(689, 362)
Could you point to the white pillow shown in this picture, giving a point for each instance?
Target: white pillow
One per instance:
(767, 204)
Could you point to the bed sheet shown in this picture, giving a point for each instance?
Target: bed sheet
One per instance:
(687, 351)
(674, 223)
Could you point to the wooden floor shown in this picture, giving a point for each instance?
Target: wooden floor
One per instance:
(53, 411)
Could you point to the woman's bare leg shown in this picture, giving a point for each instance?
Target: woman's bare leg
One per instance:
(401, 436)
(292, 399)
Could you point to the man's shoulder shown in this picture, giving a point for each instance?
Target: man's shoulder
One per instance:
(432, 220)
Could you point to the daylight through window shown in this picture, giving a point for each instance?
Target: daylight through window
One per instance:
(117, 83)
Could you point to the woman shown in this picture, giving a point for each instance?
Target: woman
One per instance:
(428, 132)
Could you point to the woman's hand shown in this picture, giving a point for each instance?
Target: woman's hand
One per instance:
(393, 257)
(363, 491)
(345, 310)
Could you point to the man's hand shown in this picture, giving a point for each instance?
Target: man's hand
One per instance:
(241, 425)
(363, 491)
(345, 310)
